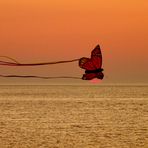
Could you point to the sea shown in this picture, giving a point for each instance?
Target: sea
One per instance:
(74, 116)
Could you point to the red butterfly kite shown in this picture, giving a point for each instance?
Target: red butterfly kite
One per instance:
(92, 66)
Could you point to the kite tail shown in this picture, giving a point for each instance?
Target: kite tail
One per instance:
(9, 58)
(40, 77)
(16, 63)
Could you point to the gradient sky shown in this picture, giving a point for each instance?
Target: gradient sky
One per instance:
(43, 30)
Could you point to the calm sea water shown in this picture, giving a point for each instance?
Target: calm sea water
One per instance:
(73, 116)
(74, 91)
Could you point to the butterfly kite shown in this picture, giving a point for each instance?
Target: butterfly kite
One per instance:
(92, 66)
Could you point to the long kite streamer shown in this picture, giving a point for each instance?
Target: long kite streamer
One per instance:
(9, 59)
(16, 63)
(91, 65)
(35, 64)
(40, 77)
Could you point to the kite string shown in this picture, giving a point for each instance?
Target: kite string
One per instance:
(12, 59)
(41, 77)
(16, 63)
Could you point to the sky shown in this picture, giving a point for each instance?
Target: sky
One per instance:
(43, 30)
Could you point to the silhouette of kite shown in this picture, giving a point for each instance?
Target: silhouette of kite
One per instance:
(92, 66)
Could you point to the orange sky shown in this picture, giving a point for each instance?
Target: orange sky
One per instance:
(43, 30)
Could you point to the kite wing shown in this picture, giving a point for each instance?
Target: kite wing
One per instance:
(96, 57)
(86, 63)
(89, 76)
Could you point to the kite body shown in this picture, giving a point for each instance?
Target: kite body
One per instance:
(92, 65)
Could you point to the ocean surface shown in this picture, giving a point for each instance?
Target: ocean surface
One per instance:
(74, 116)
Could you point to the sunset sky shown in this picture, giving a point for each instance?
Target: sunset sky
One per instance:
(44, 30)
